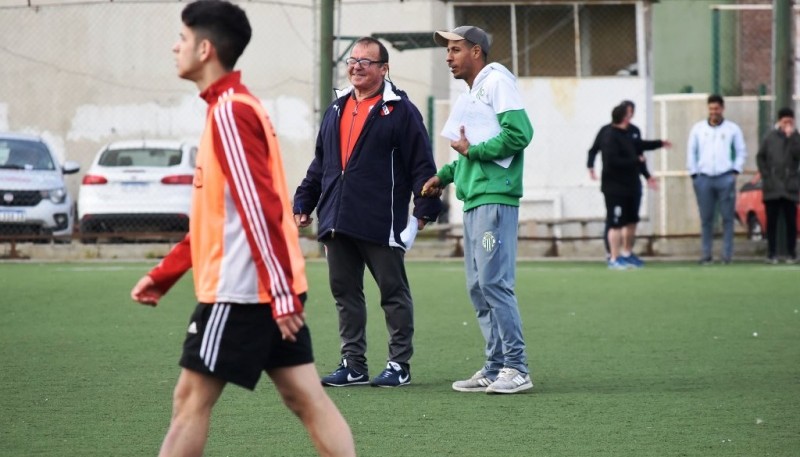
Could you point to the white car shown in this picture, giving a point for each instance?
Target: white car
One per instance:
(138, 186)
(34, 202)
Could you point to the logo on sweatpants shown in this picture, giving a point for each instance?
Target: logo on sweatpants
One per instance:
(488, 241)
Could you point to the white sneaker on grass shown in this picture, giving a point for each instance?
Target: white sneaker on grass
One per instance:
(477, 383)
(510, 381)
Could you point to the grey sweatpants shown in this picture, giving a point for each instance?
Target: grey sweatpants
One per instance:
(490, 257)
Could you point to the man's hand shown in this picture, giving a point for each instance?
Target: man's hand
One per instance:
(145, 292)
(592, 174)
(421, 223)
(461, 145)
(431, 188)
(302, 220)
(652, 183)
(290, 325)
(666, 144)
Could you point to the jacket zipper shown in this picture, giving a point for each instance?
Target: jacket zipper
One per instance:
(367, 123)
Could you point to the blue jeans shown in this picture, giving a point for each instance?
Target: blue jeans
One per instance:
(490, 254)
(716, 192)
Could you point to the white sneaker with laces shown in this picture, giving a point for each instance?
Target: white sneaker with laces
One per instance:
(510, 381)
(477, 383)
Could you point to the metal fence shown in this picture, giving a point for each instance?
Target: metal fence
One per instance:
(83, 74)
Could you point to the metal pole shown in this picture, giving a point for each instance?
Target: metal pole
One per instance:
(325, 56)
(715, 51)
(782, 54)
(764, 115)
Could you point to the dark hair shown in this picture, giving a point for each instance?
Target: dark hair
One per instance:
(222, 23)
(618, 113)
(716, 98)
(471, 44)
(382, 51)
(628, 104)
(785, 112)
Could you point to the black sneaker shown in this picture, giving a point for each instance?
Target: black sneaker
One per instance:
(772, 260)
(705, 261)
(393, 376)
(345, 376)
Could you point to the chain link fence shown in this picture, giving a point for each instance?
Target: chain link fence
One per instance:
(742, 49)
(81, 75)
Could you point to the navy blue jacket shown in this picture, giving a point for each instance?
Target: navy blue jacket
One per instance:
(392, 159)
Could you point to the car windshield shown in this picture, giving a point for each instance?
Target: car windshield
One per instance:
(140, 157)
(25, 155)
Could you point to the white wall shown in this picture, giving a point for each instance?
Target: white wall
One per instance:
(85, 73)
(566, 114)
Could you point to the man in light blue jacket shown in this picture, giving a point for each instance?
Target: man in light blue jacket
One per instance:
(715, 155)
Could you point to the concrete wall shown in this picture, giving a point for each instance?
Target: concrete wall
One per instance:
(566, 114)
(674, 207)
(682, 45)
(84, 73)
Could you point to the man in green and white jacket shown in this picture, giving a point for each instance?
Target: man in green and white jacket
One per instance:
(490, 129)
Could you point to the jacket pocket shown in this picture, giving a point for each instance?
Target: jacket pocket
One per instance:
(793, 183)
(498, 180)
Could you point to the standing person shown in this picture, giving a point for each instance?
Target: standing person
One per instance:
(488, 179)
(621, 186)
(249, 317)
(627, 255)
(372, 154)
(715, 155)
(778, 160)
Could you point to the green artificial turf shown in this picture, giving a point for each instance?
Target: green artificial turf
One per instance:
(671, 360)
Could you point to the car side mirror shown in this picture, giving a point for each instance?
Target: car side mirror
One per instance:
(70, 167)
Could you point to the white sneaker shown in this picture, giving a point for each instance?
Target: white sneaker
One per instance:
(477, 383)
(510, 381)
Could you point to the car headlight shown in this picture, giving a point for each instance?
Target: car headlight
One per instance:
(55, 195)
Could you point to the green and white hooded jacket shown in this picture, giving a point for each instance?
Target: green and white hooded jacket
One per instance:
(483, 177)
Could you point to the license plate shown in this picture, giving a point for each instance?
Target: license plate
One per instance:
(12, 216)
(134, 186)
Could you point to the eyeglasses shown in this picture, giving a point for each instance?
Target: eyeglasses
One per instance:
(362, 63)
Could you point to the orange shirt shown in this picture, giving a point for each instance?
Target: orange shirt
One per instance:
(354, 116)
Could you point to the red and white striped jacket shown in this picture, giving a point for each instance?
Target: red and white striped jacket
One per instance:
(242, 244)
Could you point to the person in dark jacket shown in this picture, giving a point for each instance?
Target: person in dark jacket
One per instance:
(372, 154)
(642, 145)
(778, 159)
(620, 185)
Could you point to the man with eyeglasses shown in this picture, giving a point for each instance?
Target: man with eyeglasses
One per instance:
(372, 154)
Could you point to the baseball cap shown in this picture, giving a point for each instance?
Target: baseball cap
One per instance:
(465, 32)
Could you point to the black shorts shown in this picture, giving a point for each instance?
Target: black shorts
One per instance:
(622, 210)
(236, 343)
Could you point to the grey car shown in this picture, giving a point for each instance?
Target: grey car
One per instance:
(34, 202)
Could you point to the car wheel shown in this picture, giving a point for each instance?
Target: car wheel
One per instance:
(754, 230)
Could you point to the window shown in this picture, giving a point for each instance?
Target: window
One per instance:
(25, 155)
(140, 157)
(577, 39)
